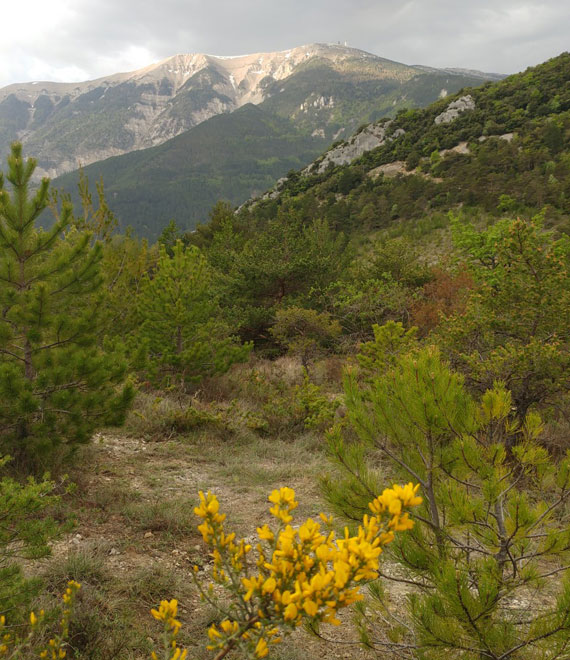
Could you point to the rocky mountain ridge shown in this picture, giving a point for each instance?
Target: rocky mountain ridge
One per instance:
(66, 125)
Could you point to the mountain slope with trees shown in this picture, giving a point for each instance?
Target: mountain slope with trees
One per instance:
(509, 154)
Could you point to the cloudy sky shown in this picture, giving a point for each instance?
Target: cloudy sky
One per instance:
(71, 40)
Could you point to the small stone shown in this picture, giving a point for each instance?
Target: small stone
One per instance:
(114, 551)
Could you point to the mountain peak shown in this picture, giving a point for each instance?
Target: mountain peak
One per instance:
(66, 125)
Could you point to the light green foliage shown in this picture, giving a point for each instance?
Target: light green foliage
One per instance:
(24, 532)
(359, 305)
(480, 247)
(319, 409)
(98, 218)
(488, 565)
(126, 261)
(390, 341)
(180, 319)
(516, 326)
(305, 332)
(56, 385)
(396, 260)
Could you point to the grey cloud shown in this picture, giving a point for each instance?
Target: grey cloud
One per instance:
(492, 35)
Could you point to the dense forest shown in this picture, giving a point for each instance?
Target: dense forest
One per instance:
(389, 339)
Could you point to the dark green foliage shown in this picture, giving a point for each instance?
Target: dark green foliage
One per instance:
(180, 321)
(56, 385)
(305, 332)
(169, 237)
(274, 265)
(229, 156)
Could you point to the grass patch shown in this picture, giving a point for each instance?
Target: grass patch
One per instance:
(85, 565)
(173, 516)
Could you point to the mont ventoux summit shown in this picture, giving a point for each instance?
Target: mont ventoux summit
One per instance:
(171, 139)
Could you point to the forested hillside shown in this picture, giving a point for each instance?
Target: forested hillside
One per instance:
(508, 154)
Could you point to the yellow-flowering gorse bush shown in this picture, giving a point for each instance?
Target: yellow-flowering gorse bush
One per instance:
(294, 574)
(16, 647)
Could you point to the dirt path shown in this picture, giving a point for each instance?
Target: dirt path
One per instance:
(135, 538)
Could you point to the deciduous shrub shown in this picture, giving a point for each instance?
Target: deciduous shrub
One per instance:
(293, 576)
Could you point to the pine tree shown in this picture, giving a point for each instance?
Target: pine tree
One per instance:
(516, 325)
(279, 264)
(181, 321)
(56, 385)
(486, 565)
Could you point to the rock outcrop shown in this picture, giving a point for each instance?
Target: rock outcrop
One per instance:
(455, 108)
(369, 138)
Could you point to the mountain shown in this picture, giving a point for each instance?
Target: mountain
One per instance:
(326, 90)
(325, 94)
(229, 156)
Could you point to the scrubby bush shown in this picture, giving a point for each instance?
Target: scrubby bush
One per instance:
(297, 575)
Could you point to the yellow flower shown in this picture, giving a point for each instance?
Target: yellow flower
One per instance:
(310, 607)
(261, 649)
(251, 585)
(265, 534)
(269, 586)
(167, 610)
(284, 496)
(229, 627)
(213, 633)
(305, 574)
(290, 612)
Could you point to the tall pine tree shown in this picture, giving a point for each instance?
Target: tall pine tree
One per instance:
(56, 384)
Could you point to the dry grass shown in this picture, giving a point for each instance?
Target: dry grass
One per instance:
(135, 540)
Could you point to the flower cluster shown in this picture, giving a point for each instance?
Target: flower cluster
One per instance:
(167, 612)
(394, 501)
(14, 647)
(298, 573)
